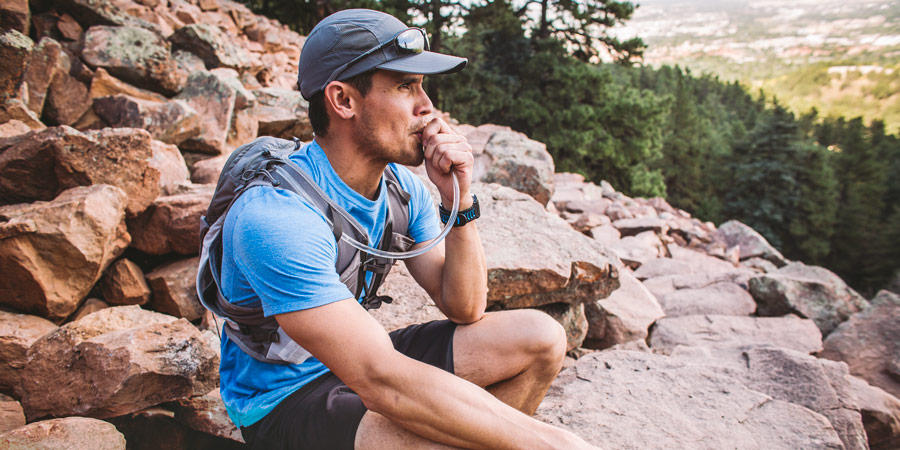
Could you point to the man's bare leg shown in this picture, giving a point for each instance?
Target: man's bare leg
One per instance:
(515, 355)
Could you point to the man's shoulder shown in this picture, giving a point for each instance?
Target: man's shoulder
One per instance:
(265, 207)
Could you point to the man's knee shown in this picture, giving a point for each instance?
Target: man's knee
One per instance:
(541, 337)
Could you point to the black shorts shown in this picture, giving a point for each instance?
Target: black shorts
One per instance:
(325, 413)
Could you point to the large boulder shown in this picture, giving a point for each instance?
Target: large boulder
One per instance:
(808, 291)
(282, 113)
(880, 413)
(172, 122)
(518, 162)
(214, 101)
(17, 333)
(134, 54)
(729, 335)
(534, 258)
(718, 298)
(175, 290)
(625, 316)
(116, 361)
(15, 49)
(41, 164)
(870, 343)
(52, 253)
(751, 243)
(70, 433)
(818, 384)
(93, 12)
(172, 223)
(666, 284)
(631, 400)
(212, 45)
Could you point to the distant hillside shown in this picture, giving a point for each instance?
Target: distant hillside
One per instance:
(787, 48)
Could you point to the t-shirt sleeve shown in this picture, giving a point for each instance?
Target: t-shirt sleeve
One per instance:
(286, 251)
(423, 219)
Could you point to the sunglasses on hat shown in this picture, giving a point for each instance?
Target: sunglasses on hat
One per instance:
(411, 41)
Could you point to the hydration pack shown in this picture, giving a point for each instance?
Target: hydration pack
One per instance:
(265, 162)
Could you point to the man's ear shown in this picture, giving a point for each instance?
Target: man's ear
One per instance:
(342, 99)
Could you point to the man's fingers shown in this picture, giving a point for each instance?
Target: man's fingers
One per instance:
(450, 155)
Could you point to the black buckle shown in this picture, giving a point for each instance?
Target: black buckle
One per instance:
(376, 301)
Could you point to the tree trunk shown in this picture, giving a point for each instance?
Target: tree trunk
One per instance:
(437, 24)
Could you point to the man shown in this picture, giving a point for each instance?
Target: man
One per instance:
(427, 386)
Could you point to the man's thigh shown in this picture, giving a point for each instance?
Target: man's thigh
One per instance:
(326, 413)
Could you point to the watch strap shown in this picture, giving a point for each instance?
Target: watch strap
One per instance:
(462, 217)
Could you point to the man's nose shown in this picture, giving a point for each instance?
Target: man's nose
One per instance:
(424, 107)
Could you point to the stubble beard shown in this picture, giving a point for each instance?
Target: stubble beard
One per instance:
(391, 152)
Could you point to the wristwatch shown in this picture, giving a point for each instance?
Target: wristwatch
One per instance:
(462, 217)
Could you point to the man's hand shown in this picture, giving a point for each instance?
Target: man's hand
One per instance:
(447, 151)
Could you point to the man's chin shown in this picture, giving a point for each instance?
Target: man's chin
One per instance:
(414, 158)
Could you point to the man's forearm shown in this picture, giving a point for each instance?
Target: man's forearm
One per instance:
(464, 278)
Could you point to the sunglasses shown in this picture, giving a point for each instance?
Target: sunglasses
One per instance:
(411, 41)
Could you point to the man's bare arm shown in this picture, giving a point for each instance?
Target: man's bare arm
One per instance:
(454, 274)
(423, 399)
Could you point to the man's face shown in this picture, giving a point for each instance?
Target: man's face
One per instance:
(392, 116)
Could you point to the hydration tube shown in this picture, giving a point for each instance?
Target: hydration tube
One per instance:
(409, 254)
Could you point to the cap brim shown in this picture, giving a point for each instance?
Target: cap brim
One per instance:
(426, 63)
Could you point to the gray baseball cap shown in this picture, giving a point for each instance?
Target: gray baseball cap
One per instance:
(349, 37)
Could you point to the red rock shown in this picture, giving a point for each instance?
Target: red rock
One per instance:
(11, 414)
(67, 97)
(244, 129)
(718, 298)
(104, 85)
(631, 227)
(869, 342)
(39, 165)
(52, 253)
(42, 68)
(13, 128)
(70, 433)
(625, 316)
(174, 289)
(207, 414)
(634, 251)
(15, 109)
(207, 171)
(213, 99)
(17, 333)
(171, 122)
(68, 27)
(809, 291)
(880, 412)
(282, 113)
(90, 306)
(15, 50)
(172, 223)
(124, 284)
(549, 262)
(116, 361)
(212, 45)
(208, 5)
(136, 55)
(411, 303)
(729, 335)
(607, 235)
(15, 14)
(751, 243)
(572, 319)
(168, 160)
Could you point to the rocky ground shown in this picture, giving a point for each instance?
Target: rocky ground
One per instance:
(115, 119)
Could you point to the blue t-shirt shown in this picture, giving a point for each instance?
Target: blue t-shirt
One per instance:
(279, 251)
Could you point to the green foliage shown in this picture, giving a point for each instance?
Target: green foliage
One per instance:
(591, 124)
